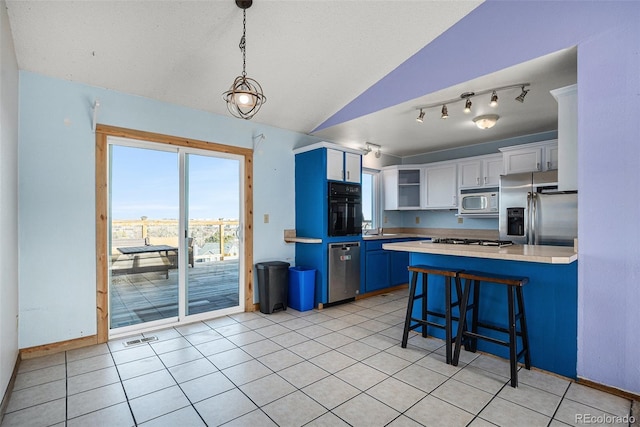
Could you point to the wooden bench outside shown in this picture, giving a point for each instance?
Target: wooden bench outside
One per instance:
(155, 261)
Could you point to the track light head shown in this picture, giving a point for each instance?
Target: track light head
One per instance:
(494, 99)
(445, 113)
(467, 106)
(420, 118)
(520, 98)
(367, 149)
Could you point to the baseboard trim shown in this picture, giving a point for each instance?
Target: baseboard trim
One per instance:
(7, 392)
(57, 347)
(608, 389)
(382, 291)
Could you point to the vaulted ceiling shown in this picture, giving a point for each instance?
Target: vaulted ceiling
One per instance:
(311, 57)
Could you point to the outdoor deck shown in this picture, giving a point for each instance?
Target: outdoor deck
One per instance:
(143, 297)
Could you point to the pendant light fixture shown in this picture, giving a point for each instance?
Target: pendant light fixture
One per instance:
(245, 96)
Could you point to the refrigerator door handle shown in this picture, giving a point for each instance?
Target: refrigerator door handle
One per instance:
(528, 224)
(534, 214)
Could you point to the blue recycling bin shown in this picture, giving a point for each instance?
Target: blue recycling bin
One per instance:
(302, 288)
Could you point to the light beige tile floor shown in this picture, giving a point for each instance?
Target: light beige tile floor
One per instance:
(339, 366)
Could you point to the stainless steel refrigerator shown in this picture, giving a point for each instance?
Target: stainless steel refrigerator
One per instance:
(534, 212)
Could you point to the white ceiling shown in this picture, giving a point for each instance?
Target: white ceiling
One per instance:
(329, 51)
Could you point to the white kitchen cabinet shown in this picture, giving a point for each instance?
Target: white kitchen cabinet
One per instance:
(480, 171)
(535, 157)
(567, 98)
(343, 166)
(353, 170)
(402, 187)
(551, 157)
(470, 173)
(493, 167)
(441, 185)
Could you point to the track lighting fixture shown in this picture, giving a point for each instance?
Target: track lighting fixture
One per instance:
(484, 121)
(520, 98)
(494, 99)
(368, 149)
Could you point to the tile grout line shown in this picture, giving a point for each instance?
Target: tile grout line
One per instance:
(124, 390)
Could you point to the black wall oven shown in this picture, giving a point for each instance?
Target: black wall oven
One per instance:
(345, 209)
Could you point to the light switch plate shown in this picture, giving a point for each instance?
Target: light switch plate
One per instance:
(266, 218)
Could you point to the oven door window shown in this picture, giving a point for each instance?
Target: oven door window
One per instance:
(354, 218)
(338, 214)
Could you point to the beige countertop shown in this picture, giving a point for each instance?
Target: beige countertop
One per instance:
(527, 253)
(387, 236)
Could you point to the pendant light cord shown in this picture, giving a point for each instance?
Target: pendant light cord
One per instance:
(243, 42)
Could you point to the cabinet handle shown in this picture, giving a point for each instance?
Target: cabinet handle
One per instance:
(485, 179)
(548, 165)
(537, 166)
(348, 176)
(477, 180)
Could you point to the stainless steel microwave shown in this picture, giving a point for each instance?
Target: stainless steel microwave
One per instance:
(485, 202)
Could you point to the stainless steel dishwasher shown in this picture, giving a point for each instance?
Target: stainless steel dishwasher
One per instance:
(344, 271)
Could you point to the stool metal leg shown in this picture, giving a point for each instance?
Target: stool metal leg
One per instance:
(474, 318)
(512, 338)
(447, 317)
(424, 303)
(523, 329)
(407, 321)
(462, 319)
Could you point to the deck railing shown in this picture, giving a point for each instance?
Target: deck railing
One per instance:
(223, 233)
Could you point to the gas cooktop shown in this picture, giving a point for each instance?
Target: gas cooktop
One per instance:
(481, 242)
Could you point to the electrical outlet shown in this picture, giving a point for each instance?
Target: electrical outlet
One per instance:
(417, 220)
(460, 220)
(266, 218)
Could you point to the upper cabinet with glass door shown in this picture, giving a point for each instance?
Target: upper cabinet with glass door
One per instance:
(402, 187)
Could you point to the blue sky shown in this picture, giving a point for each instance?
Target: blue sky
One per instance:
(145, 183)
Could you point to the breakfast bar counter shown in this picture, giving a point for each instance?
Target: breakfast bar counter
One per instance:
(526, 253)
(551, 296)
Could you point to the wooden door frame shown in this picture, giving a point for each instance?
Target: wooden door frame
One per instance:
(102, 220)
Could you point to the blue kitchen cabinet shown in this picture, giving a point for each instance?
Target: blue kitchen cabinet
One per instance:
(384, 269)
(399, 262)
(315, 167)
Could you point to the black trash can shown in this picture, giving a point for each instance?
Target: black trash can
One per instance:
(273, 285)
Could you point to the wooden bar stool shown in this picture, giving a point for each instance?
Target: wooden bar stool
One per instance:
(514, 287)
(422, 321)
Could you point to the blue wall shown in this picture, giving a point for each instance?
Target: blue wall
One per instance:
(57, 193)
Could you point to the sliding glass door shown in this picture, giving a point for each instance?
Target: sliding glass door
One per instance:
(174, 242)
(213, 233)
